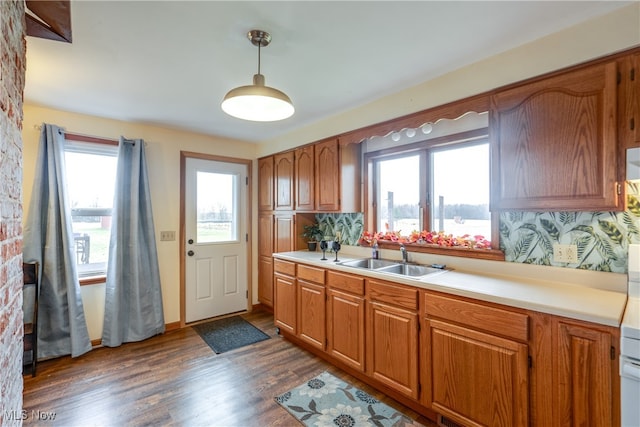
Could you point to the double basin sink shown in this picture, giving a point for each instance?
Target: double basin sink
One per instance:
(393, 267)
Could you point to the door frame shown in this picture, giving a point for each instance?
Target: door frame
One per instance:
(184, 155)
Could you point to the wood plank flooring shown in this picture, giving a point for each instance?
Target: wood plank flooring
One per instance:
(175, 379)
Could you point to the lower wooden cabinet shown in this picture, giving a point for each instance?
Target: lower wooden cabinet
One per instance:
(284, 308)
(311, 306)
(345, 319)
(586, 371)
(392, 336)
(345, 328)
(475, 378)
(474, 362)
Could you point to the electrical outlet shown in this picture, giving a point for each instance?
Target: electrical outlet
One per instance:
(166, 236)
(565, 253)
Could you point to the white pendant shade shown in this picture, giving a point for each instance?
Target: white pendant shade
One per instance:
(257, 102)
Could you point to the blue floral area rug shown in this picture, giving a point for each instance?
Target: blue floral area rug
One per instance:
(327, 401)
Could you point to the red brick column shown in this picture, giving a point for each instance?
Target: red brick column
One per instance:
(12, 55)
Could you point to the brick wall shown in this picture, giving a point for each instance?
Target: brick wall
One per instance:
(12, 74)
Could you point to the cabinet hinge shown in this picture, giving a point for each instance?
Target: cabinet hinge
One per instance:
(632, 123)
(632, 74)
(613, 353)
(247, 294)
(246, 180)
(618, 78)
(530, 361)
(618, 188)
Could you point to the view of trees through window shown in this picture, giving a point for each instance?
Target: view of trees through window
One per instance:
(453, 196)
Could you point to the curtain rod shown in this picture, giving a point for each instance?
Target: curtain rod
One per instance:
(83, 138)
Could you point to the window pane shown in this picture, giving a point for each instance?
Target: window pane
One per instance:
(398, 194)
(460, 190)
(216, 207)
(91, 183)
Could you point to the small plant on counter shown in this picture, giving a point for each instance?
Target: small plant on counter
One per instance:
(313, 233)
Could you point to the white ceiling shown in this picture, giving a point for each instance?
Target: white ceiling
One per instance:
(170, 63)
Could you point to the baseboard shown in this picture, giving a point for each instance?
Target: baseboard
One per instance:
(167, 328)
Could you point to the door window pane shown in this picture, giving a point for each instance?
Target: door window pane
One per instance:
(460, 190)
(216, 207)
(398, 194)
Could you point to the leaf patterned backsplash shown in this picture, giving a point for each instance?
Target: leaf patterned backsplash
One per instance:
(350, 226)
(602, 238)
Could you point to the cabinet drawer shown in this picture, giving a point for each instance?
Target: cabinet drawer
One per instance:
(481, 317)
(311, 274)
(346, 282)
(284, 267)
(393, 294)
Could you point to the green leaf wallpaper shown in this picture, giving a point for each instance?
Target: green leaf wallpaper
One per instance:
(602, 238)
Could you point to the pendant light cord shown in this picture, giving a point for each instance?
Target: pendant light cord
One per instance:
(259, 45)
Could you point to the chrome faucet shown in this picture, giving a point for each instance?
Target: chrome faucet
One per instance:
(405, 254)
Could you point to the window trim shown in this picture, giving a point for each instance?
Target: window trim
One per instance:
(424, 148)
(98, 278)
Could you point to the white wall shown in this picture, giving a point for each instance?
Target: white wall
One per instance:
(163, 157)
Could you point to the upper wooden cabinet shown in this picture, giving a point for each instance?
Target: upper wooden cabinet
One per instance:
(629, 101)
(327, 161)
(554, 142)
(305, 179)
(265, 183)
(283, 177)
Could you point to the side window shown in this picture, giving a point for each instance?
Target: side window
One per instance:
(91, 174)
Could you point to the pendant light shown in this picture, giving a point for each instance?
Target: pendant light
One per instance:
(257, 102)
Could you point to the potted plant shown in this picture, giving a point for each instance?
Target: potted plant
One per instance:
(313, 234)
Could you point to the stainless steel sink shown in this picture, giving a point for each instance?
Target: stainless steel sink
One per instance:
(412, 270)
(392, 267)
(369, 263)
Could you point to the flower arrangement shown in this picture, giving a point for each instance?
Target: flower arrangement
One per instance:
(428, 237)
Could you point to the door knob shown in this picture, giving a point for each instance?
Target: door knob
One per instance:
(190, 253)
(190, 241)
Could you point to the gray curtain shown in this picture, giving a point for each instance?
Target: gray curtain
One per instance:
(48, 239)
(133, 302)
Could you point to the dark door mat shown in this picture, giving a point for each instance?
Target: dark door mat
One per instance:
(229, 333)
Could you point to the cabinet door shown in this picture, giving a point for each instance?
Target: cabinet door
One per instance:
(584, 377)
(311, 314)
(554, 142)
(305, 190)
(283, 173)
(265, 280)
(476, 379)
(345, 328)
(265, 183)
(283, 230)
(327, 163)
(285, 313)
(392, 347)
(265, 234)
(629, 101)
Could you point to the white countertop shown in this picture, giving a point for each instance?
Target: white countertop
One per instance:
(580, 300)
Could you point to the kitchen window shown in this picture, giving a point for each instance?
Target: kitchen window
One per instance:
(441, 184)
(91, 175)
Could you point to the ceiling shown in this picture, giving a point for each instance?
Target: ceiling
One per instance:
(170, 63)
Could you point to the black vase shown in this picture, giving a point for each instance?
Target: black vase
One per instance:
(312, 246)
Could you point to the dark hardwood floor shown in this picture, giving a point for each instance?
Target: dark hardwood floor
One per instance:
(175, 379)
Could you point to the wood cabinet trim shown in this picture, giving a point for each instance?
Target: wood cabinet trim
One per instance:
(477, 315)
(345, 282)
(391, 293)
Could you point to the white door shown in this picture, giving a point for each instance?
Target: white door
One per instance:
(216, 238)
